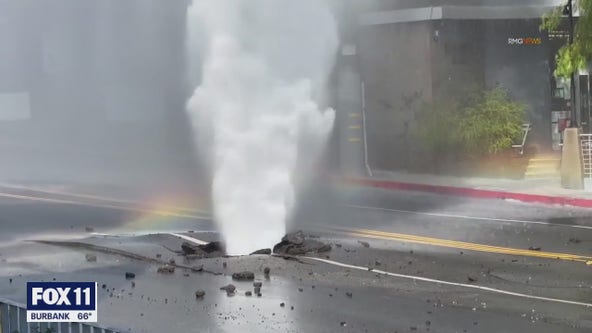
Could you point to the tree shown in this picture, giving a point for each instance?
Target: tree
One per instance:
(574, 56)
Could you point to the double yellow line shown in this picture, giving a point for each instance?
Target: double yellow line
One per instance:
(465, 245)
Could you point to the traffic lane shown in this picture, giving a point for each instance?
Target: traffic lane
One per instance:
(22, 219)
(529, 275)
(318, 293)
(430, 202)
(470, 228)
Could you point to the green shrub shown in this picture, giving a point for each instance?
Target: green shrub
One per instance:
(438, 128)
(492, 124)
(484, 122)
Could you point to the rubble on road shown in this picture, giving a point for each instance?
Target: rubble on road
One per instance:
(129, 275)
(297, 243)
(196, 269)
(262, 251)
(243, 276)
(91, 258)
(209, 250)
(230, 289)
(364, 244)
(166, 269)
(200, 294)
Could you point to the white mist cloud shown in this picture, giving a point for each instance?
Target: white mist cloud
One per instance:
(266, 64)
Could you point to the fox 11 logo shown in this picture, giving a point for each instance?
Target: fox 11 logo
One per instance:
(62, 302)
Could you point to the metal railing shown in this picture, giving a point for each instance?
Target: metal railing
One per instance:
(13, 319)
(586, 146)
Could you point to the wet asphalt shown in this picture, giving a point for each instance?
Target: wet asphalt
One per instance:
(316, 296)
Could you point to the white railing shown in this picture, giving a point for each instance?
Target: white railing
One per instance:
(586, 146)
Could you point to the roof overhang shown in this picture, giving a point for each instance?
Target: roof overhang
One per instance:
(453, 13)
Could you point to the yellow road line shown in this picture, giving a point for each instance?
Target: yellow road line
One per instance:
(354, 140)
(354, 127)
(466, 246)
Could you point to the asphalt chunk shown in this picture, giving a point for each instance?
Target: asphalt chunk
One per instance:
(262, 251)
(200, 294)
(364, 244)
(130, 275)
(243, 276)
(166, 269)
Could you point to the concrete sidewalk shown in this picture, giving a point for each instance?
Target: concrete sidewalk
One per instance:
(547, 191)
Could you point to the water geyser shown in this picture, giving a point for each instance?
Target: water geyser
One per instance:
(264, 66)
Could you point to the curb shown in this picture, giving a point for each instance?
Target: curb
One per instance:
(472, 192)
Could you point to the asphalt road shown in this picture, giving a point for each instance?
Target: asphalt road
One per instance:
(431, 263)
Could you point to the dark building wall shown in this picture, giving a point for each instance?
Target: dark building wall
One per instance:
(395, 63)
(524, 70)
(458, 59)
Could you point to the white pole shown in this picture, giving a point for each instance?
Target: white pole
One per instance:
(368, 169)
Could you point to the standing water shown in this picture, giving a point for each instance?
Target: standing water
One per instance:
(264, 67)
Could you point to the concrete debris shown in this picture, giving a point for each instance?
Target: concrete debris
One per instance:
(262, 251)
(209, 250)
(129, 275)
(196, 269)
(377, 263)
(89, 229)
(91, 257)
(343, 324)
(471, 279)
(266, 271)
(224, 264)
(534, 248)
(212, 247)
(229, 288)
(257, 290)
(189, 249)
(133, 284)
(348, 294)
(200, 294)
(158, 255)
(296, 238)
(282, 304)
(166, 269)
(248, 293)
(297, 244)
(257, 284)
(172, 262)
(574, 240)
(243, 276)
(364, 244)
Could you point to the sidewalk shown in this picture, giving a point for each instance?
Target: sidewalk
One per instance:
(546, 191)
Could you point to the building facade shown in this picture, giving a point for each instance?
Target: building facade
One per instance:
(413, 52)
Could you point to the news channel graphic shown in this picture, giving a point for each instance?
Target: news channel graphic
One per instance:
(62, 302)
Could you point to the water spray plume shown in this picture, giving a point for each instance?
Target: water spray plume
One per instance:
(265, 66)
